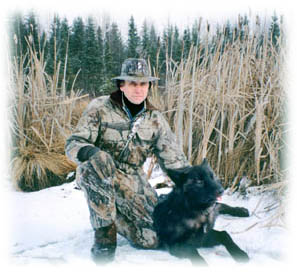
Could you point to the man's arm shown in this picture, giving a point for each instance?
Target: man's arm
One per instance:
(80, 146)
(167, 151)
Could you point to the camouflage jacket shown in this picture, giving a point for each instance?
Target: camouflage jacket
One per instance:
(106, 125)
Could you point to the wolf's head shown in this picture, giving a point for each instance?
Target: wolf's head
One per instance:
(199, 185)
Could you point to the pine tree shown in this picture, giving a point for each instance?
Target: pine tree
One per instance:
(145, 40)
(154, 45)
(196, 32)
(107, 58)
(187, 40)
(228, 33)
(226, 37)
(63, 51)
(17, 31)
(100, 59)
(244, 28)
(107, 61)
(177, 45)
(91, 63)
(163, 53)
(116, 49)
(53, 45)
(77, 53)
(171, 43)
(34, 35)
(133, 40)
(32, 31)
(58, 50)
(170, 40)
(274, 32)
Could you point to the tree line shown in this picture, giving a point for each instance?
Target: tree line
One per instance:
(87, 55)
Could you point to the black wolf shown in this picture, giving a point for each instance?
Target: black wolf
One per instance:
(184, 218)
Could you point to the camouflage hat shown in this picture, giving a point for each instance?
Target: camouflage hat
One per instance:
(135, 70)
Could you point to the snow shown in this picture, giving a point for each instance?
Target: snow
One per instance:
(51, 227)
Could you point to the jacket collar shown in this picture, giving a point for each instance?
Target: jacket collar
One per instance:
(116, 98)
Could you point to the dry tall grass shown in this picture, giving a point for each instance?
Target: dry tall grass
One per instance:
(226, 105)
(232, 105)
(42, 119)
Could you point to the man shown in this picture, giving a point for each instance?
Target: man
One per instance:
(110, 144)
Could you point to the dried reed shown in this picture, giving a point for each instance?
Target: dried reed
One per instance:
(232, 107)
(42, 119)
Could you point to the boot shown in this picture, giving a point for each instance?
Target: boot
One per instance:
(103, 250)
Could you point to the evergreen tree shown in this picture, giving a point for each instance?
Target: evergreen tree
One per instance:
(226, 36)
(187, 40)
(58, 47)
(107, 61)
(145, 40)
(164, 53)
(32, 31)
(34, 35)
(17, 32)
(244, 28)
(171, 43)
(107, 58)
(63, 50)
(228, 33)
(274, 32)
(77, 52)
(196, 33)
(53, 45)
(92, 59)
(154, 45)
(100, 58)
(133, 40)
(177, 45)
(170, 40)
(117, 50)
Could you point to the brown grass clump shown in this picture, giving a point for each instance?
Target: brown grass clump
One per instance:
(43, 116)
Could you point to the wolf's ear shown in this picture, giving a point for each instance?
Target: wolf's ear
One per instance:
(177, 175)
(207, 166)
(204, 162)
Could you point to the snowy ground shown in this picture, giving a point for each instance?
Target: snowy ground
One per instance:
(51, 227)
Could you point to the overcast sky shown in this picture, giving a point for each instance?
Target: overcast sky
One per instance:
(160, 12)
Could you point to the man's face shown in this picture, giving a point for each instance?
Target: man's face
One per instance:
(135, 92)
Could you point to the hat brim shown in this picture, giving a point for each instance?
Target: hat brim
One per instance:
(135, 78)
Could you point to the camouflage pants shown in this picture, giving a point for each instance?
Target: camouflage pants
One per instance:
(114, 196)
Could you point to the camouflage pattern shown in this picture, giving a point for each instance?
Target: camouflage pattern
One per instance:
(127, 200)
(135, 70)
(106, 125)
(117, 188)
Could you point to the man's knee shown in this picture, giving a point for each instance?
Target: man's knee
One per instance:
(98, 170)
(100, 166)
(103, 164)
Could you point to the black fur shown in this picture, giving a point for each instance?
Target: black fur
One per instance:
(184, 218)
